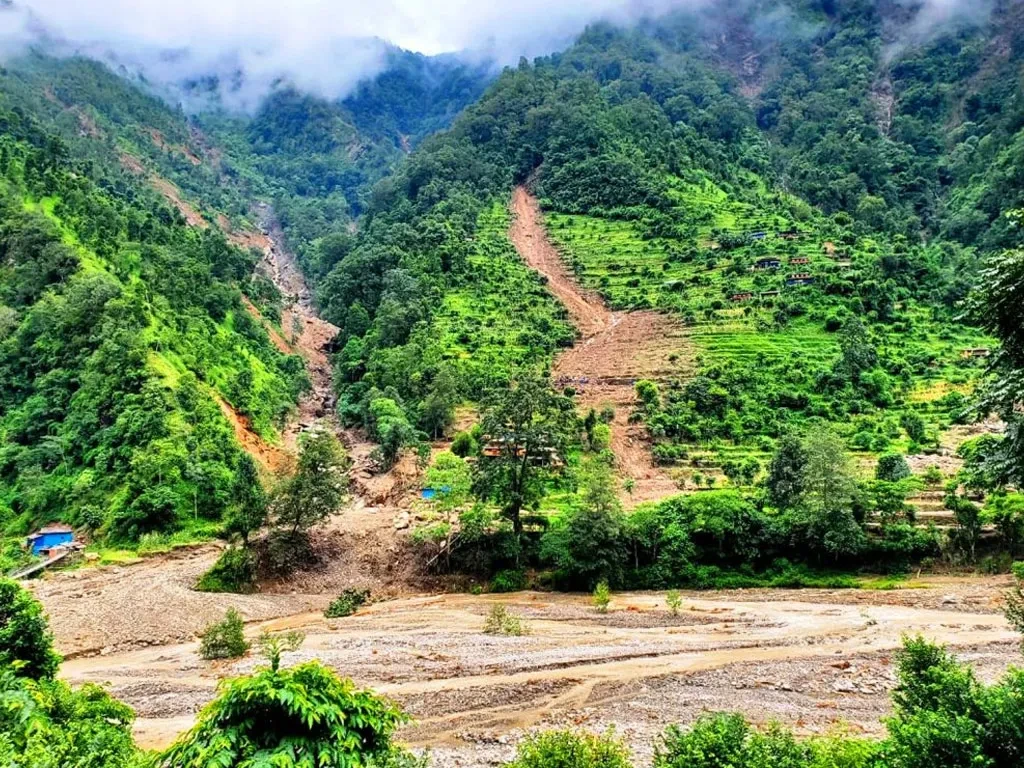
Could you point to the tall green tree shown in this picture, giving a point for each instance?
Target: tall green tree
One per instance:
(317, 488)
(528, 428)
(25, 638)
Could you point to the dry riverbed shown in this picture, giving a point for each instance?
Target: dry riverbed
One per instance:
(809, 658)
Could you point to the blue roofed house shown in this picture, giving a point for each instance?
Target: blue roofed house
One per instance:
(49, 538)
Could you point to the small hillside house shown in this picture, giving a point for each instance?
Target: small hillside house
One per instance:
(800, 260)
(50, 538)
(800, 278)
(742, 296)
(768, 263)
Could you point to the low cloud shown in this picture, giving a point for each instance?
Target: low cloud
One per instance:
(327, 46)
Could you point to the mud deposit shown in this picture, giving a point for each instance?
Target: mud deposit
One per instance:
(808, 658)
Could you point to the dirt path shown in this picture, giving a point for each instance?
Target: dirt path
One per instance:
(808, 658)
(615, 350)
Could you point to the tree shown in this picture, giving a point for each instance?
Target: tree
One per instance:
(785, 481)
(528, 426)
(25, 638)
(250, 508)
(589, 545)
(829, 494)
(317, 488)
(892, 468)
(293, 718)
(437, 412)
(858, 353)
(392, 429)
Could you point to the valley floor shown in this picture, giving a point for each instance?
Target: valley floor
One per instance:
(810, 658)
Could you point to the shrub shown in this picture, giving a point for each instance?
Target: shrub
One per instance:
(568, 749)
(234, 571)
(725, 740)
(286, 717)
(500, 621)
(674, 601)
(24, 635)
(347, 603)
(509, 581)
(602, 597)
(464, 445)
(275, 644)
(892, 467)
(224, 639)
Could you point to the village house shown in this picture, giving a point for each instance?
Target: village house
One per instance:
(769, 262)
(800, 278)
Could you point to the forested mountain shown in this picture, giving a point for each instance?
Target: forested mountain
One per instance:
(132, 315)
(700, 144)
(809, 187)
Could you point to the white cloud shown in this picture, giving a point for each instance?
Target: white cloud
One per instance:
(326, 46)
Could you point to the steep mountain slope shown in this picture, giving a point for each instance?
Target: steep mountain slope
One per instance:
(669, 185)
(124, 336)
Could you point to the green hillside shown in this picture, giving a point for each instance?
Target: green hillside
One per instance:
(122, 330)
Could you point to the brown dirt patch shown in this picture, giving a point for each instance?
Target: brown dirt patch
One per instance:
(615, 350)
(795, 658)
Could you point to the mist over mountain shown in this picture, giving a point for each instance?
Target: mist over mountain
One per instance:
(233, 54)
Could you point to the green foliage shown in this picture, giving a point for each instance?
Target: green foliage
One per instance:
(531, 426)
(1013, 606)
(501, 621)
(892, 468)
(569, 749)
(674, 601)
(601, 597)
(224, 639)
(588, 546)
(317, 488)
(347, 603)
(293, 718)
(46, 724)
(25, 638)
(509, 581)
(235, 571)
(273, 645)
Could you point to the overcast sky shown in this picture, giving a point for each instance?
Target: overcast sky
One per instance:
(327, 45)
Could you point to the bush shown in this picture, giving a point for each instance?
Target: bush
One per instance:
(347, 603)
(234, 571)
(567, 749)
(602, 597)
(724, 741)
(674, 601)
(24, 635)
(508, 581)
(224, 639)
(892, 467)
(464, 445)
(284, 718)
(500, 621)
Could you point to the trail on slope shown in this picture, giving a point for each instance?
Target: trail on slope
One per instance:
(614, 351)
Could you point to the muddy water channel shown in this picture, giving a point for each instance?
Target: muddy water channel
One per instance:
(808, 658)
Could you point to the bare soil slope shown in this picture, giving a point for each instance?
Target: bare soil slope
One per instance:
(615, 350)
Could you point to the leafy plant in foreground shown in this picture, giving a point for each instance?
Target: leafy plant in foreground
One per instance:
(24, 635)
(303, 717)
(602, 597)
(501, 621)
(570, 749)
